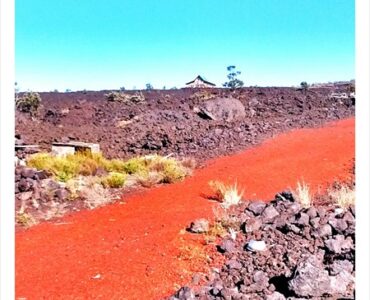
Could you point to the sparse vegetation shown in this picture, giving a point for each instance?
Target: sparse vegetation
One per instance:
(24, 219)
(137, 97)
(28, 103)
(148, 87)
(202, 95)
(302, 194)
(344, 196)
(169, 170)
(95, 195)
(228, 195)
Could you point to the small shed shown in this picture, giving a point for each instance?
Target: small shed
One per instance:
(62, 149)
(200, 82)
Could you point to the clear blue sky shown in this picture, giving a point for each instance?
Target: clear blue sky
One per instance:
(93, 45)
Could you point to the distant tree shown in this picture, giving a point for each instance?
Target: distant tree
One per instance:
(174, 88)
(164, 87)
(122, 88)
(304, 85)
(233, 82)
(55, 91)
(148, 87)
(68, 91)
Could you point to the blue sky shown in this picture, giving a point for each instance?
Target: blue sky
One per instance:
(93, 45)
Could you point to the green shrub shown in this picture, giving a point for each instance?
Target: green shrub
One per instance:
(173, 172)
(151, 168)
(135, 165)
(115, 165)
(125, 97)
(114, 180)
(28, 103)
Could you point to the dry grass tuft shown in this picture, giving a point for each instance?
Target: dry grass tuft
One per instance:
(344, 196)
(228, 195)
(95, 195)
(302, 194)
(24, 219)
(224, 223)
(149, 179)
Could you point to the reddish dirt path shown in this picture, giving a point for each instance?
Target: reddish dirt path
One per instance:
(134, 247)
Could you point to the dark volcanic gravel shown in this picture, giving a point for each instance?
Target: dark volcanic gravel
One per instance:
(171, 121)
(300, 262)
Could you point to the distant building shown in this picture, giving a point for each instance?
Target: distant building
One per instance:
(200, 82)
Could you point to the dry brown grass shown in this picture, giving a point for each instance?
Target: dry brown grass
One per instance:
(228, 195)
(195, 253)
(302, 194)
(148, 179)
(24, 219)
(95, 195)
(224, 223)
(344, 196)
(202, 95)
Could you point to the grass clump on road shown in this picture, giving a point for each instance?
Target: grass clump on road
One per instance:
(228, 195)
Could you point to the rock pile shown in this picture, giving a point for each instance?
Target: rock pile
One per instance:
(37, 194)
(309, 254)
(174, 121)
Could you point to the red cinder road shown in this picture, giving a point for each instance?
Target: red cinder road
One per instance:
(131, 250)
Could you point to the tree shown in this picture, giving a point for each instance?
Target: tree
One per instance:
(304, 87)
(233, 82)
(122, 88)
(28, 103)
(149, 86)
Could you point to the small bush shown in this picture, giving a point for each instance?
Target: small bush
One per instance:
(135, 165)
(114, 180)
(88, 167)
(125, 97)
(28, 103)
(173, 172)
